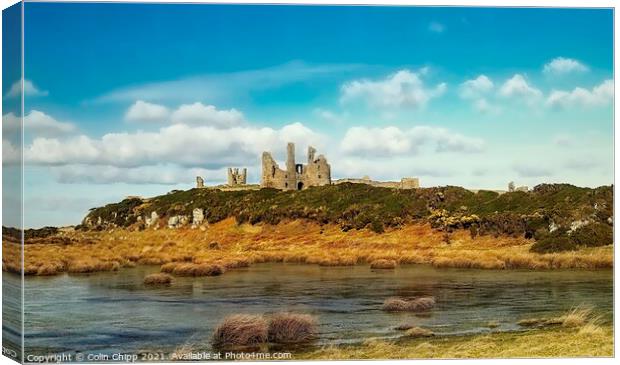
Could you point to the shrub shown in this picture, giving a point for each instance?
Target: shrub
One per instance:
(593, 234)
(553, 242)
(292, 328)
(412, 305)
(383, 264)
(240, 330)
(158, 279)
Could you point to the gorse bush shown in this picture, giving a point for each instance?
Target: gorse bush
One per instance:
(589, 235)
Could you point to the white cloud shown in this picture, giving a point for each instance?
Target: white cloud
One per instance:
(10, 154)
(164, 174)
(401, 89)
(475, 88)
(36, 123)
(600, 95)
(482, 105)
(517, 86)
(436, 27)
(532, 170)
(331, 116)
(142, 111)
(204, 146)
(393, 141)
(29, 89)
(207, 115)
(227, 87)
(561, 65)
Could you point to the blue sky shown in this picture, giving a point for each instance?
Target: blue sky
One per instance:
(138, 99)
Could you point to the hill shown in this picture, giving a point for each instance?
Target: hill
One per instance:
(559, 216)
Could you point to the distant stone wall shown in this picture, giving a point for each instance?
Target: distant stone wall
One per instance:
(404, 183)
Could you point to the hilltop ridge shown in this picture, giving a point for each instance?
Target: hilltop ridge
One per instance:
(549, 211)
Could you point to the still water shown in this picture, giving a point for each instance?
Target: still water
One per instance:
(115, 312)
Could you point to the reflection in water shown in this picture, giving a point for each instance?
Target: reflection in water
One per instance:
(114, 312)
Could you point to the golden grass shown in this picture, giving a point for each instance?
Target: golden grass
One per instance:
(288, 328)
(408, 305)
(158, 279)
(383, 264)
(240, 330)
(577, 317)
(578, 333)
(295, 241)
(542, 343)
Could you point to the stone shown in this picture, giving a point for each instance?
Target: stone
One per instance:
(152, 220)
(198, 216)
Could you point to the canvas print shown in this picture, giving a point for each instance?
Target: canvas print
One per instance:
(198, 182)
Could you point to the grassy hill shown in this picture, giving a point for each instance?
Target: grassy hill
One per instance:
(559, 216)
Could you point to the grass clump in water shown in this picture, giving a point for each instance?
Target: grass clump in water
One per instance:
(241, 330)
(158, 279)
(408, 305)
(288, 328)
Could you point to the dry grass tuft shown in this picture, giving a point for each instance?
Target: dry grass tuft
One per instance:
(577, 317)
(241, 330)
(191, 269)
(383, 264)
(419, 332)
(158, 279)
(411, 305)
(292, 328)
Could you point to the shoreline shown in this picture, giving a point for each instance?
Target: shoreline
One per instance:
(228, 245)
(585, 341)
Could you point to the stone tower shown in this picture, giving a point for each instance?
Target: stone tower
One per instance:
(235, 177)
(290, 167)
(316, 172)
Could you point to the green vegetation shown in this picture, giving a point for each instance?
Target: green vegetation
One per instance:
(359, 206)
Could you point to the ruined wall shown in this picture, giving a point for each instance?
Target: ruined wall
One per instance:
(236, 177)
(271, 174)
(316, 172)
(404, 183)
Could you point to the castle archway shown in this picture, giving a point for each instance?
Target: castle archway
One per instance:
(300, 185)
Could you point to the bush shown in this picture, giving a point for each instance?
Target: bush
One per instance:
(593, 235)
(553, 243)
(404, 305)
(240, 330)
(291, 328)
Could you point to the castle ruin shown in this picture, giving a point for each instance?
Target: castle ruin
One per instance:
(236, 178)
(317, 172)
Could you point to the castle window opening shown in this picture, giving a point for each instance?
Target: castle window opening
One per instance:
(273, 171)
(299, 168)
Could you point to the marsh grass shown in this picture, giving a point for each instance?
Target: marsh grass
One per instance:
(383, 264)
(293, 241)
(580, 317)
(158, 279)
(289, 328)
(408, 305)
(241, 330)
